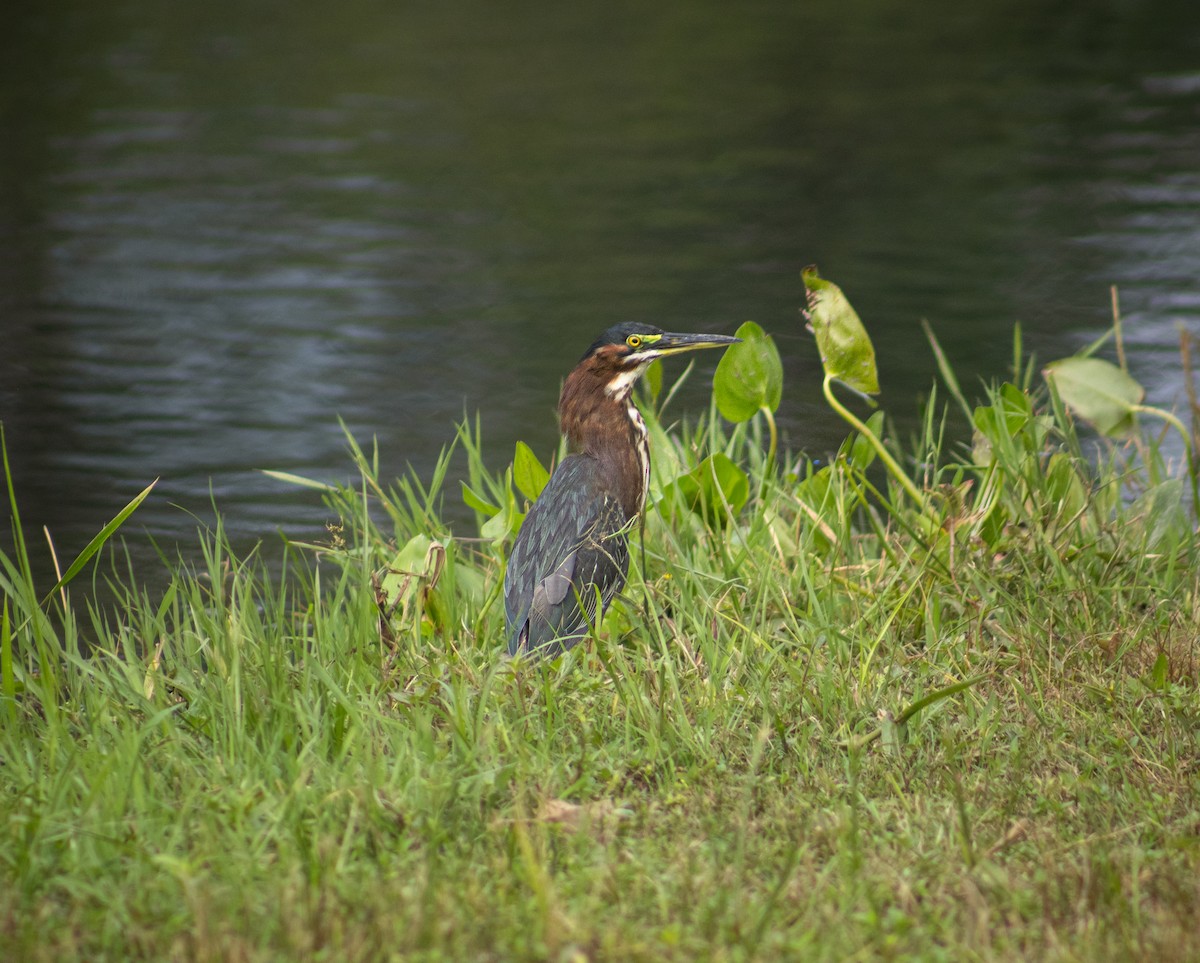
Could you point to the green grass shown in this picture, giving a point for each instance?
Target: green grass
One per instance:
(250, 766)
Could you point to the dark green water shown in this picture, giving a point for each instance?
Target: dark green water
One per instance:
(224, 225)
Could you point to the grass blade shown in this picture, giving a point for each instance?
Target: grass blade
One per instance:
(97, 543)
(290, 479)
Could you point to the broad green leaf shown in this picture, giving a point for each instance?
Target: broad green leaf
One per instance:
(528, 474)
(414, 556)
(496, 528)
(1008, 425)
(476, 502)
(732, 482)
(98, 542)
(405, 589)
(1015, 402)
(420, 558)
(749, 376)
(502, 525)
(846, 351)
(1098, 391)
(711, 486)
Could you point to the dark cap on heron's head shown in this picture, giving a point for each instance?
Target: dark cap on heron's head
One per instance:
(640, 344)
(619, 334)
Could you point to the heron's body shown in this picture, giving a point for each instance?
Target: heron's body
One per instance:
(572, 553)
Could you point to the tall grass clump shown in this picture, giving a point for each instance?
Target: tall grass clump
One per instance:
(927, 699)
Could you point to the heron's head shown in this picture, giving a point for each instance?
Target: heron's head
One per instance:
(622, 353)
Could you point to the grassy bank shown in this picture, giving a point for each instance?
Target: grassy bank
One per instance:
(256, 767)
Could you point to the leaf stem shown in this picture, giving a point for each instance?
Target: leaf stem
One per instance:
(1180, 427)
(769, 468)
(893, 468)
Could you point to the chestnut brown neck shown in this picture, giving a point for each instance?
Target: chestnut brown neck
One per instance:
(598, 417)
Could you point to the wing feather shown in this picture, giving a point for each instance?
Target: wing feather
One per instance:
(571, 553)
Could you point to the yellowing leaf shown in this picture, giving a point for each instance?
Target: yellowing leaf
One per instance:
(846, 351)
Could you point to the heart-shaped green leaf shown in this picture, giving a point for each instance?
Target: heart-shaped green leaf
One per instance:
(713, 489)
(749, 375)
(846, 351)
(1098, 391)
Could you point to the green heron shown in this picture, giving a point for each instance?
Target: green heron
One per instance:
(572, 552)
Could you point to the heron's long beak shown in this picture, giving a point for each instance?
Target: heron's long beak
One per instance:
(678, 343)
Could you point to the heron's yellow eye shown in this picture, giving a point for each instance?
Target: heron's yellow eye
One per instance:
(633, 341)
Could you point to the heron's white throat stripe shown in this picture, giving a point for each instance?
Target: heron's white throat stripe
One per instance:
(643, 449)
(622, 384)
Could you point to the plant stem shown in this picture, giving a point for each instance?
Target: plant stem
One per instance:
(1180, 427)
(769, 468)
(893, 468)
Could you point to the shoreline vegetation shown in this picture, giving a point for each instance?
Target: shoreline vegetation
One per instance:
(935, 698)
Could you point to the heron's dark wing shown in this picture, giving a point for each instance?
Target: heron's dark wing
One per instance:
(570, 553)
